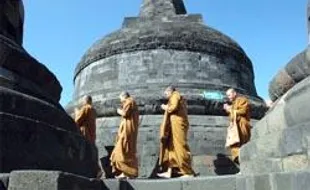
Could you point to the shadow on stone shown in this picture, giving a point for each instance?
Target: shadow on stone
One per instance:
(2, 187)
(105, 162)
(224, 165)
(124, 184)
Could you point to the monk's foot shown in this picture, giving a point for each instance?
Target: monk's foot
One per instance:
(122, 176)
(187, 176)
(164, 175)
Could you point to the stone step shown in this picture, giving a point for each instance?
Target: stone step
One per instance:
(55, 180)
(51, 180)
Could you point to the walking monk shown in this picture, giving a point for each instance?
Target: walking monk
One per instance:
(175, 151)
(123, 158)
(85, 119)
(240, 109)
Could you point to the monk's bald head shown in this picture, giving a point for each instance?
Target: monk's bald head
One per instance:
(87, 99)
(231, 94)
(124, 95)
(169, 90)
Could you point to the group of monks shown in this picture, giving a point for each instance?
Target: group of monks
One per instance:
(174, 153)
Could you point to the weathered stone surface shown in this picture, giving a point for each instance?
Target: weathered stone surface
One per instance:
(112, 184)
(282, 142)
(294, 72)
(30, 144)
(262, 182)
(245, 182)
(295, 162)
(291, 181)
(219, 183)
(296, 110)
(35, 131)
(4, 181)
(173, 184)
(261, 166)
(51, 180)
(13, 102)
(162, 8)
(24, 180)
(283, 181)
(16, 60)
(186, 69)
(12, 19)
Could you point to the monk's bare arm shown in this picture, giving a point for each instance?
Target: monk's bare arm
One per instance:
(125, 112)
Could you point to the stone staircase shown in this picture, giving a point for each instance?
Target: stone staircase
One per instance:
(54, 180)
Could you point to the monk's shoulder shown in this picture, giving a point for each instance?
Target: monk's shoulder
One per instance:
(242, 99)
(89, 109)
(129, 102)
(176, 95)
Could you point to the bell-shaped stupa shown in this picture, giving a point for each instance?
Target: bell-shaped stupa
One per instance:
(164, 45)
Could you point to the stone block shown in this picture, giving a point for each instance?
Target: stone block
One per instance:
(4, 181)
(15, 59)
(245, 182)
(51, 180)
(261, 166)
(296, 110)
(305, 131)
(295, 162)
(218, 183)
(269, 145)
(13, 102)
(283, 181)
(248, 152)
(29, 144)
(262, 182)
(111, 184)
(260, 129)
(292, 141)
(280, 84)
(276, 119)
(307, 139)
(141, 184)
(301, 181)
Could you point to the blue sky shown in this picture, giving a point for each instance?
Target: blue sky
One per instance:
(59, 32)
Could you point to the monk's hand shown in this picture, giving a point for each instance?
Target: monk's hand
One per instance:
(119, 111)
(76, 111)
(227, 107)
(164, 107)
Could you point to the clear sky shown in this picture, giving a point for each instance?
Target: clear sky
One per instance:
(58, 32)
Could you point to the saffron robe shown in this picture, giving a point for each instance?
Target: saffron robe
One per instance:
(174, 150)
(123, 158)
(242, 108)
(85, 120)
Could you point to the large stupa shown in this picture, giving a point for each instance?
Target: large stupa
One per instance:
(164, 45)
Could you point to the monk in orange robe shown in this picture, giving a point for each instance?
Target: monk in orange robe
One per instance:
(241, 107)
(123, 158)
(85, 119)
(174, 151)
